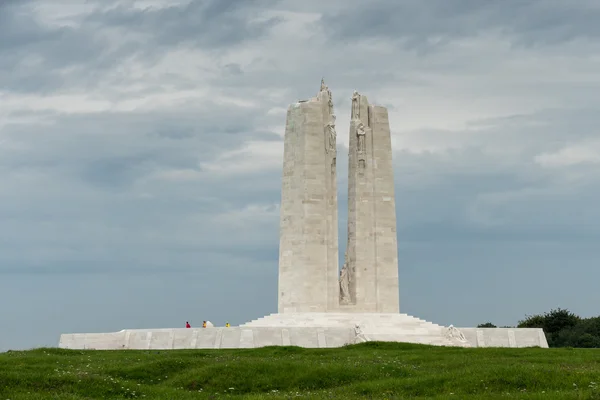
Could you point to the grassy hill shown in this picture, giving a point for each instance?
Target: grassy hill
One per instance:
(370, 370)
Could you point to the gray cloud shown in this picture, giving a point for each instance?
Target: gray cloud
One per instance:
(36, 56)
(206, 24)
(531, 22)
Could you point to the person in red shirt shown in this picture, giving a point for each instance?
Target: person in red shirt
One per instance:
(187, 324)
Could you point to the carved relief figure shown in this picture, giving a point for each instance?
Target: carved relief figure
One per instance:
(361, 166)
(332, 135)
(454, 333)
(324, 87)
(345, 285)
(355, 105)
(360, 133)
(359, 336)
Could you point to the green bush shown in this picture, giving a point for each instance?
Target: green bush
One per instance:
(565, 329)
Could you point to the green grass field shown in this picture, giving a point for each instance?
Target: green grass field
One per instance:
(370, 370)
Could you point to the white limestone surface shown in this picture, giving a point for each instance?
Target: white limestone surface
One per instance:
(505, 337)
(390, 327)
(394, 327)
(208, 338)
(308, 241)
(310, 330)
(372, 251)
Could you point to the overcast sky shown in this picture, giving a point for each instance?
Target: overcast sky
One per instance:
(141, 154)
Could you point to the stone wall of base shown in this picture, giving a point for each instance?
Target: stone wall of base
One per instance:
(208, 338)
(505, 337)
(308, 337)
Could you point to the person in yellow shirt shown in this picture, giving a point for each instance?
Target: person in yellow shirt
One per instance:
(227, 325)
(204, 324)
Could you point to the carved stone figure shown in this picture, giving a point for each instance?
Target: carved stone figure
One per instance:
(360, 133)
(325, 88)
(345, 285)
(355, 105)
(359, 336)
(454, 333)
(331, 135)
(361, 166)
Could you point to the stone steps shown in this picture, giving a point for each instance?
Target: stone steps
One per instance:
(371, 326)
(379, 321)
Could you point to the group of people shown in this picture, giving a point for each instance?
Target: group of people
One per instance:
(204, 324)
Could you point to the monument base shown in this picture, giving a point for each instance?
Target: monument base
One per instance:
(367, 326)
(392, 327)
(310, 330)
(208, 338)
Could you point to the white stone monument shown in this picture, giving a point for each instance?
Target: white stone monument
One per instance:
(308, 250)
(320, 306)
(308, 246)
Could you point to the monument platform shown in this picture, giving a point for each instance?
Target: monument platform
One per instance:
(400, 327)
(310, 330)
(208, 338)
(389, 327)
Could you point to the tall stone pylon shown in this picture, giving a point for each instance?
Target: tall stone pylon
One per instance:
(369, 277)
(308, 247)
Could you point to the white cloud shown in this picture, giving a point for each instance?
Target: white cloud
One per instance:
(254, 156)
(179, 175)
(588, 153)
(250, 217)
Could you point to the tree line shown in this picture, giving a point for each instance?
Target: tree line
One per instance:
(562, 328)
